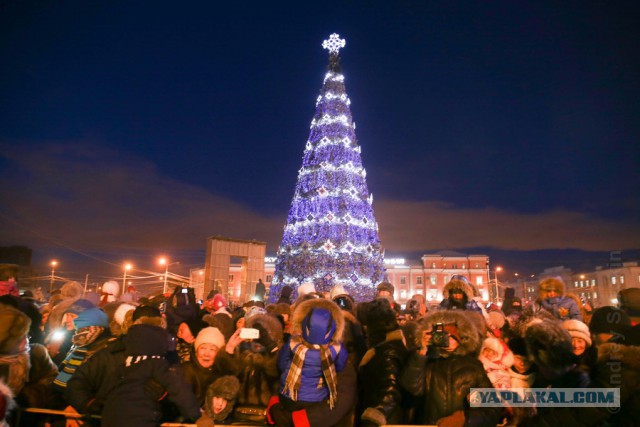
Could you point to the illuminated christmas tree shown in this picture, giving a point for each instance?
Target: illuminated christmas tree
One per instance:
(331, 235)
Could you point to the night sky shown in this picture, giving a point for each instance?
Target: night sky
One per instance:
(134, 129)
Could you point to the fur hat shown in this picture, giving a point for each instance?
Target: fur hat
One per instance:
(226, 387)
(306, 288)
(609, 320)
(552, 283)
(386, 287)
(461, 284)
(209, 335)
(269, 324)
(379, 317)
(279, 309)
(577, 329)
(469, 338)
(518, 346)
(629, 300)
(146, 311)
(549, 345)
(71, 290)
(14, 327)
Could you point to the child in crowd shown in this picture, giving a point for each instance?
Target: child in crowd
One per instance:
(497, 360)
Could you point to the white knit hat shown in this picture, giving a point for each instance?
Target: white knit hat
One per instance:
(121, 312)
(306, 288)
(577, 329)
(210, 335)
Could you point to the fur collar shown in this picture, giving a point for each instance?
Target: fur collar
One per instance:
(629, 355)
(305, 307)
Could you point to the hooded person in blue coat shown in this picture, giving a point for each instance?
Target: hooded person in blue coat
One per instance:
(310, 360)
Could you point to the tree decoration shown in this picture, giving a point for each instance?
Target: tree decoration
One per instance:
(331, 235)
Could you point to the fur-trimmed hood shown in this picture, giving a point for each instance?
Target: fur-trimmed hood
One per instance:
(470, 340)
(270, 323)
(466, 287)
(306, 307)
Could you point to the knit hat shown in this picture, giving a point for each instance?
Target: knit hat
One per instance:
(91, 317)
(610, 320)
(306, 288)
(629, 300)
(386, 286)
(121, 312)
(209, 335)
(79, 306)
(219, 302)
(336, 291)
(577, 329)
(14, 326)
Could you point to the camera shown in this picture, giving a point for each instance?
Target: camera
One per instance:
(439, 337)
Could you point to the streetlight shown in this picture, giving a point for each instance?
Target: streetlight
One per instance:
(498, 269)
(165, 262)
(53, 264)
(127, 267)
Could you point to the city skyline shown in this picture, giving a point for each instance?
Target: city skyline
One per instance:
(502, 129)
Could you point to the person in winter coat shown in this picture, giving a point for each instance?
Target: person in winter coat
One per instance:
(353, 337)
(310, 360)
(458, 294)
(522, 371)
(207, 362)
(90, 384)
(444, 370)
(26, 369)
(552, 299)
(186, 337)
(91, 335)
(220, 400)
(127, 403)
(582, 344)
(380, 397)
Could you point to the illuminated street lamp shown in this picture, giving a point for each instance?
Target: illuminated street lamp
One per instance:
(126, 267)
(165, 262)
(53, 264)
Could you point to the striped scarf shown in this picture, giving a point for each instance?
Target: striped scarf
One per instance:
(78, 354)
(294, 377)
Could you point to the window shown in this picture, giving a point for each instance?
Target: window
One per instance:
(454, 266)
(419, 280)
(593, 282)
(269, 278)
(614, 280)
(464, 266)
(433, 265)
(595, 295)
(419, 291)
(434, 279)
(231, 277)
(403, 280)
(622, 280)
(478, 280)
(575, 284)
(403, 294)
(581, 283)
(477, 265)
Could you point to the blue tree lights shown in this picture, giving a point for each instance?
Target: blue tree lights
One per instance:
(331, 235)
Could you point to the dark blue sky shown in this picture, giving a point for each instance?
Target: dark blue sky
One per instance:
(133, 128)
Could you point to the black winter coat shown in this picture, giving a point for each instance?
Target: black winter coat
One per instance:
(378, 376)
(128, 403)
(444, 384)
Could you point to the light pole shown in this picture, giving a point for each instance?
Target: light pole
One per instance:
(54, 264)
(165, 262)
(127, 267)
(498, 269)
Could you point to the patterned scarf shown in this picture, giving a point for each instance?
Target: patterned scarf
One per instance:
(294, 377)
(78, 354)
(19, 366)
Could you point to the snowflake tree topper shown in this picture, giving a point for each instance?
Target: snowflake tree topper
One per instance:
(334, 44)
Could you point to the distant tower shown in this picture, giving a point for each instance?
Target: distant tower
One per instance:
(331, 235)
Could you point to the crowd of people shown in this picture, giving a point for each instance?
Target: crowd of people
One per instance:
(318, 360)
